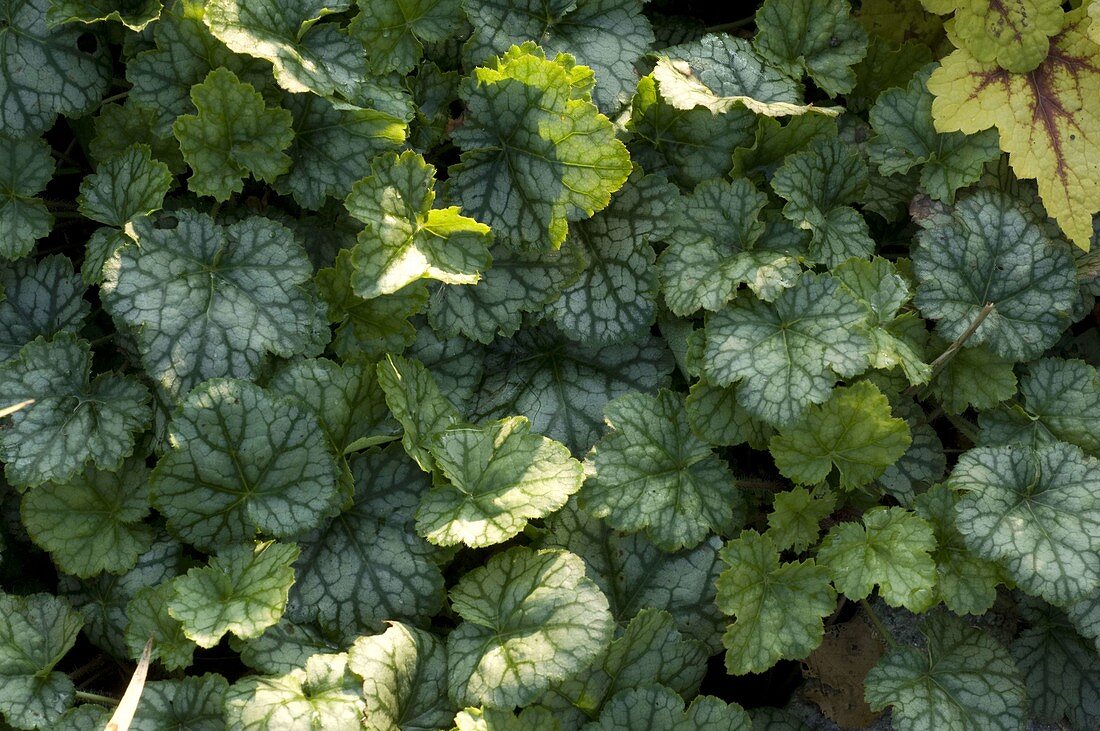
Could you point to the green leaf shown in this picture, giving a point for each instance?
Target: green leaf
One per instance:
(416, 401)
(535, 151)
(367, 565)
(44, 72)
(233, 135)
(906, 137)
(26, 167)
(532, 618)
(135, 15)
(242, 462)
(322, 695)
(1060, 669)
(1085, 615)
(1034, 511)
(788, 354)
(795, 520)
(74, 418)
(964, 679)
(774, 142)
(307, 56)
(456, 363)
(285, 646)
(35, 633)
(125, 186)
(517, 283)
(1015, 35)
(396, 31)
(777, 607)
(718, 419)
(120, 126)
(346, 399)
(923, 464)
(40, 298)
(820, 39)
(974, 376)
(610, 36)
(657, 708)
(532, 718)
(563, 386)
(405, 239)
(499, 477)
(404, 673)
(891, 549)
(210, 301)
(615, 298)
(819, 183)
(991, 249)
(966, 583)
(651, 472)
(195, 703)
(242, 590)
(92, 522)
(715, 250)
(1060, 402)
(634, 574)
(853, 432)
(149, 617)
(333, 147)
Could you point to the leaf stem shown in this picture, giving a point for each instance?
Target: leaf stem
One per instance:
(106, 700)
(939, 363)
(884, 633)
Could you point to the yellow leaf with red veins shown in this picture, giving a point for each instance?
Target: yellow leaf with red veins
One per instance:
(1048, 119)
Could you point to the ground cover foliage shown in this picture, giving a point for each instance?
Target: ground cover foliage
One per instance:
(502, 364)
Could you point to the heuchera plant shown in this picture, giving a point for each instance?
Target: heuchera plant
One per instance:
(511, 364)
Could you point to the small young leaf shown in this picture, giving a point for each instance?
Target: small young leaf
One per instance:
(127, 185)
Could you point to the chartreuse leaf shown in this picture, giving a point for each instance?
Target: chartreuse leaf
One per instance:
(74, 419)
(899, 20)
(992, 249)
(880, 287)
(1042, 117)
(242, 590)
(715, 250)
(368, 328)
(416, 401)
(532, 618)
(43, 70)
(404, 673)
(333, 147)
(395, 31)
(517, 283)
(634, 574)
(1034, 511)
(536, 153)
(93, 521)
(234, 134)
(963, 679)
(306, 56)
(965, 582)
(1014, 35)
(134, 15)
(367, 565)
(853, 432)
(42, 297)
(532, 718)
(127, 185)
(906, 137)
(35, 633)
(787, 354)
(615, 298)
(795, 520)
(322, 695)
(243, 462)
(891, 550)
(818, 184)
(195, 702)
(1060, 669)
(651, 472)
(211, 301)
(777, 607)
(610, 36)
(498, 477)
(1060, 401)
(405, 239)
(26, 166)
(563, 386)
(820, 39)
(974, 376)
(657, 708)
